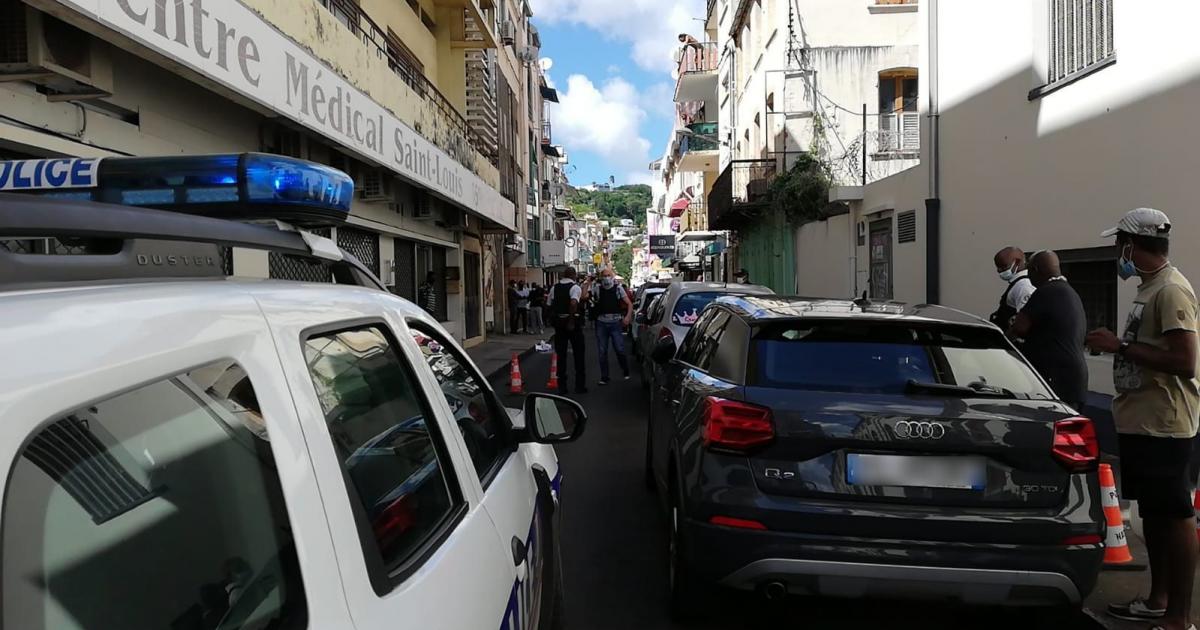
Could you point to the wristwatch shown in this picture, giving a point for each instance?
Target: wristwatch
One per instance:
(1123, 347)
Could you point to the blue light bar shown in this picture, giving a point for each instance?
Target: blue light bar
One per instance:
(245, 186)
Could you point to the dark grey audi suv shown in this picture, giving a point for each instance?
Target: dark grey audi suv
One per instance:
(851, 448)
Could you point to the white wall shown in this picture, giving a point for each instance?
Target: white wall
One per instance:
(823, 251)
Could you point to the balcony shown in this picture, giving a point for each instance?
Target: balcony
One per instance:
(697, 148)
(743, 185)
(369, 57)
(697, 69)
(695, 218)
(546, 135)
(898, 135)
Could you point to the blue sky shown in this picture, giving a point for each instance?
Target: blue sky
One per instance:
(612, 68)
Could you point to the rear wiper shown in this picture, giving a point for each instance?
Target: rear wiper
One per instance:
(972, 390)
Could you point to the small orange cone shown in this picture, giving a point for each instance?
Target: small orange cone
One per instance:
(553, 383)
(1116, 548)
(516, 386)
(1196, 507)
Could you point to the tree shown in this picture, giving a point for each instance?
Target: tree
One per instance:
(622, 261)
(623, 202)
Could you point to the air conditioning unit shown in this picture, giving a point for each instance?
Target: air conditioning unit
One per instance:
(69, 63)
(507, 33)
(455, 220)
(375, 186)
(423, 209)
(527, 54)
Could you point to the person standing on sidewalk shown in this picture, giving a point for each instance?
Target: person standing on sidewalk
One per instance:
(1053, 325)
(1156, 413)
(522, 307)
(566, 307)
(614, 311)
(1010, 266)
(537, 301)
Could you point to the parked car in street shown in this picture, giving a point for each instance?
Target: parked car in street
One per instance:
(184, 449)
(831, 447)
(677, 309)
(643, 297)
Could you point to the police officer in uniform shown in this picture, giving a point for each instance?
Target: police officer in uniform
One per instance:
(566, 308)
(1010, 266)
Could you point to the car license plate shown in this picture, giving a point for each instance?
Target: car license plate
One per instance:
(963, 472)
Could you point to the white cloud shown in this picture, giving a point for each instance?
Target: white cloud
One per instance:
(604, 120)
(659, 100)
(649, 27)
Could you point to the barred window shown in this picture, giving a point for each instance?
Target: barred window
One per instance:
(1090, 272)
(1081, 36)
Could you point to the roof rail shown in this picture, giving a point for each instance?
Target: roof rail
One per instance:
(129, 243)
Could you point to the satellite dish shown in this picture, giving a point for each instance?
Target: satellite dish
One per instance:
(546, 63)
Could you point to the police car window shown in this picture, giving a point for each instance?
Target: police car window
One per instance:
(157, 508)
(391, 452)
(478, 414)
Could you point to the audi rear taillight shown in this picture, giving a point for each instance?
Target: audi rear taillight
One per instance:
(735, 426)
(1075, 445)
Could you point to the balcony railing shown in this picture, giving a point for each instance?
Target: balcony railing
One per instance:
(899, 133)
(699, 57)
(372, 35)
(742, 182)
(695, 218)
(546, 135)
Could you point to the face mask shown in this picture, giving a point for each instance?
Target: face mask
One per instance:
(1008, 275)
(1125, 267)
(607, 283)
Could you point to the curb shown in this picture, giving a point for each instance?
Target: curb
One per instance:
(499, 372)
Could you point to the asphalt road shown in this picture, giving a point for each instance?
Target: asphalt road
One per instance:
(614, 539)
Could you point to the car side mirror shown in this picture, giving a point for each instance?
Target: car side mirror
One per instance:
(664, 350)
(551, 419)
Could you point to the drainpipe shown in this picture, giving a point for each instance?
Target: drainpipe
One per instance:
(933, 204)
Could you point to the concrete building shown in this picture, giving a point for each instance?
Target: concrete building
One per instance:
(835, 80)
(376, 88)
(1053, 118)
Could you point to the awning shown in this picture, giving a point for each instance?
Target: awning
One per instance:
(550, 149)
(679, 206)
(550, 94)
(699, 236)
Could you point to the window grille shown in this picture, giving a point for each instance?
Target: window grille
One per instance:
(1081, 36)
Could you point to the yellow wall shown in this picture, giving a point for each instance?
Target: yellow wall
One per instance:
(311, 26)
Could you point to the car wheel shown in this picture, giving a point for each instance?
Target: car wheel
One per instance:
(687, 593)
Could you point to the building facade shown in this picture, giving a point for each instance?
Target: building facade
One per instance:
(406, 97)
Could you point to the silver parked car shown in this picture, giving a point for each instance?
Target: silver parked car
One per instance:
(674, 312)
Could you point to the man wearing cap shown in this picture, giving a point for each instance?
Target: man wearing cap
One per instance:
(1156, 412)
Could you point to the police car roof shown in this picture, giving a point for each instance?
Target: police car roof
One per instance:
(765, 308)
(141, 243)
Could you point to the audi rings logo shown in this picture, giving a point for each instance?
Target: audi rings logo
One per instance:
(910, 430)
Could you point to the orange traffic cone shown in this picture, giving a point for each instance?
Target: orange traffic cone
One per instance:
(553, 383)
(516, 386)
(1196, 507)
(1116, 548)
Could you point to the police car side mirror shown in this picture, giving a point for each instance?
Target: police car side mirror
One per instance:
(551, 419)
(664, 350)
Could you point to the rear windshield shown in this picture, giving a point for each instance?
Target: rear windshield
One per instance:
(648, 298)
(878, 357)
(688, 308)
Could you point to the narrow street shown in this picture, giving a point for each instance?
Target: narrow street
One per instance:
(614, 539)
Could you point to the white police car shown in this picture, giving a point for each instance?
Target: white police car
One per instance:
(184, 450)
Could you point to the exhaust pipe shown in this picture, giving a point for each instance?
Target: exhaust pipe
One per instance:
(775, 590)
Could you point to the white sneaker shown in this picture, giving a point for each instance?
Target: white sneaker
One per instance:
(1136, 610)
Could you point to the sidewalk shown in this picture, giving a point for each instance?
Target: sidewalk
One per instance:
(494, 355)
(1121, 585)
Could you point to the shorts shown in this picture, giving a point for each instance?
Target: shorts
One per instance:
(1156, 472)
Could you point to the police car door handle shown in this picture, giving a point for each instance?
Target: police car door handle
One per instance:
(519, 551)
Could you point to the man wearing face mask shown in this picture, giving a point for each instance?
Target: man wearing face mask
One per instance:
(1052, 325)
(613, 313)
(1156, 411)
(1010, 266)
